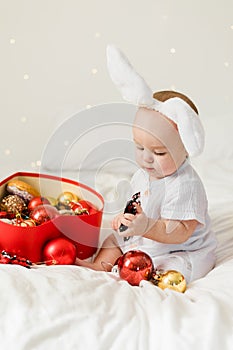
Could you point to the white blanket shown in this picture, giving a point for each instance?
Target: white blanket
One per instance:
(70, 307)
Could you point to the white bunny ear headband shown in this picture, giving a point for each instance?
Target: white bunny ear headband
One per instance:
(135, 90)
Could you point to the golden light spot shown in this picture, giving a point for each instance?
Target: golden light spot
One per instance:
(23, 119)
(94, 71)
(7, 152)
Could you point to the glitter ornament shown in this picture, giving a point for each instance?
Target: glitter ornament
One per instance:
(59, 251)
(135, 266)
(43, 213)
(171, 279)
(13, 204)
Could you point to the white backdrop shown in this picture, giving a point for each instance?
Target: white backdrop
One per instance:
(53, 61)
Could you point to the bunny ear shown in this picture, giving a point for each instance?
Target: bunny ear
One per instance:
(188, 123)
(132, 86)
(134, 89)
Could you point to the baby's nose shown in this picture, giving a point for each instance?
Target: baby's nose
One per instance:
(148, 156)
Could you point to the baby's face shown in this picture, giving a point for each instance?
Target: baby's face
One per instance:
(159, 149)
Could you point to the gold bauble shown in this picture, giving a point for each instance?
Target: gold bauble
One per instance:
(170, 279)
(53, 201)
(27, 223)
(66, 197)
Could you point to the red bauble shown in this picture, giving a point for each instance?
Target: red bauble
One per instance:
(36, 201)
(76, 207)
(59, 251)
(43, 213)
(3, 214)
(86, 205)
(135, 266)
(92, 211)
(81, 207)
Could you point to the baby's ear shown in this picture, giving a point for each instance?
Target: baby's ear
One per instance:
(132, 86)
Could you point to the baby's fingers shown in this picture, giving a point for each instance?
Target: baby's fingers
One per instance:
(129, 217)
(117, 221)
(138, 208)
(115, 224)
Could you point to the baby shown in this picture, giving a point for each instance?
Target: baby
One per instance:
(172, 224)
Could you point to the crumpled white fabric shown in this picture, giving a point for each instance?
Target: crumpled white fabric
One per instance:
(70, 307)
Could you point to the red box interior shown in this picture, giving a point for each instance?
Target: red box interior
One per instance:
(84, 231)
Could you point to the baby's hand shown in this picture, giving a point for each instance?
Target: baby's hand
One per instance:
(124, 219)
(137, 224)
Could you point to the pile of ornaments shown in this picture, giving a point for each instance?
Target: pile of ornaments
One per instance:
(135, 266)
(24, 206)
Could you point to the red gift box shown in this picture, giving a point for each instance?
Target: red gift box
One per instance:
(82, 230)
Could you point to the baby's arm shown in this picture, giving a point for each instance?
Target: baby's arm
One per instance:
(162, 230)
(171, 231)
(106, 257)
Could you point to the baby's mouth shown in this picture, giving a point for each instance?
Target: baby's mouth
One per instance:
(149, 169)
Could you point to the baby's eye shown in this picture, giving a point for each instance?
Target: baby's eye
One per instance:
(160, 153)
(140, 147)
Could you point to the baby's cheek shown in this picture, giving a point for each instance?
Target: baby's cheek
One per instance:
(168, 166)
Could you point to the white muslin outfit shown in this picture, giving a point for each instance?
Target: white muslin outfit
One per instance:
(180, 196)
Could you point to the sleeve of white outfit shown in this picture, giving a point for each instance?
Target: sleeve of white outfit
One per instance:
(185, 201)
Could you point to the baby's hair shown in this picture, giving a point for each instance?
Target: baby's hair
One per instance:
(165, 95)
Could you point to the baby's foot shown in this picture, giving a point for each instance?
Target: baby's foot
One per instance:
(88, 264)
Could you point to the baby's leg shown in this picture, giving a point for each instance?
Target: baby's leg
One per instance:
(106, 257)
(178, 261)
